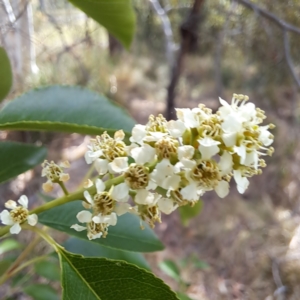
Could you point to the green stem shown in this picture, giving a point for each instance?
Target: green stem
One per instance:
(67, 198)
(63, 187)
(22, 256)
(43, 235)
(7, 276)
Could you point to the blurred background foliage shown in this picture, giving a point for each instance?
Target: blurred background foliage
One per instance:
(250, 242)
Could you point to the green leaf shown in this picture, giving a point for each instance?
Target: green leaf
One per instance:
(183, 296)
(5, 74)
(170, 268)
(188, 212)
(16, 158)
(47, 269)
(4, 265)
(126, 235)
(87, 248)
(105, 279)
(9, 245)
(64, 109)
(41, 292)
(117, 16)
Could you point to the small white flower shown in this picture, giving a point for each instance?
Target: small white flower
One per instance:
(17, 215)
(92, 221)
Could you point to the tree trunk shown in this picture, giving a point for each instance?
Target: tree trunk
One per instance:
(189, 39)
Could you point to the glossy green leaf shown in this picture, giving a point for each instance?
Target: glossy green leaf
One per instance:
(117, 16)
(90, 249)
(48, 269)
(5, 74)
(105, 279)
(17, 158)
(188, 212)
(41, 292)
(126, 235)
(64, 109)
(170, 268)
(9, 245)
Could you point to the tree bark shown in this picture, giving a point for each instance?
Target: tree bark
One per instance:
(189, 39)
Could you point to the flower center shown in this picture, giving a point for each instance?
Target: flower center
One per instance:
(19, 214)
(53, 171)
(150, 214)
(96, 228)
(166, 147)
(207, 173)
(157, 124)
(137, 177)
(103, 203)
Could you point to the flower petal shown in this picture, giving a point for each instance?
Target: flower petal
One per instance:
(94, 236)
(23, 201)
(101, 165)
(11, 204)
(32, 219)
(100, 186)
(6, 218)
(88, 197)
(166, 205)
(120, 192)
(15, 229)
(118, 165)
(78, 227)
(122, 208)
(222, 189)
(241, 182)
(84, 216)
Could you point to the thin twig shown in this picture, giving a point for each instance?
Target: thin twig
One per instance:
(281, 289)
(288, 58)
(285, 26)
(166, 25)
(281, 23)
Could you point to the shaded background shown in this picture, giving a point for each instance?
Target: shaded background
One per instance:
(243, 246)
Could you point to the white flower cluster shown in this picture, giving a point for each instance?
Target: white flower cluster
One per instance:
(171, 164)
